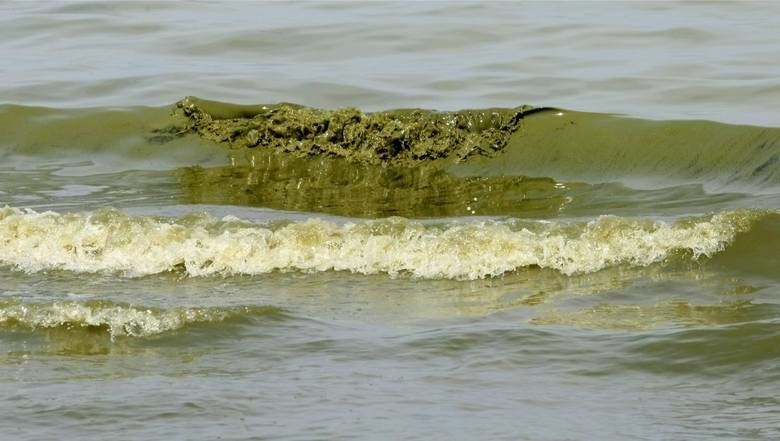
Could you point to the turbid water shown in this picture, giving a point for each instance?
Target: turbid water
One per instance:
(293, 221)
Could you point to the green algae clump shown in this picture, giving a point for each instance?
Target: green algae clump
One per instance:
(401, 137)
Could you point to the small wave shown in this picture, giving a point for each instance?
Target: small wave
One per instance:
(200, 245)
(642, 317)
(117, 319)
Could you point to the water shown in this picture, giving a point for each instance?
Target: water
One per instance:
(606, 269)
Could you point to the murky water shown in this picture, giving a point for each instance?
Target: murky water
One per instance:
(606, 268)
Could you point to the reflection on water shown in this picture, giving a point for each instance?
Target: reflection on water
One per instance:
(344, 188)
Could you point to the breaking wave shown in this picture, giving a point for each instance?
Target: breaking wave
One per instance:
(115, 318)
(200, 245)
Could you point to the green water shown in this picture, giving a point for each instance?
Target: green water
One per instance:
(604, 268)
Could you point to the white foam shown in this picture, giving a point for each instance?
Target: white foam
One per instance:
(111, 241)
(120, 320)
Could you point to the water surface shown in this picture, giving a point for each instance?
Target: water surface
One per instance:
(609, 272)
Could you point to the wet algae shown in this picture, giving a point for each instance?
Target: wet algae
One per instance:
(404, 137)
(523, 162)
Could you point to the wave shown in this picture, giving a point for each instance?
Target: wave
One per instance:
(116, 319)
(99, 140)
(642, 317)
(523, 141)
(604, 148)
(336, 186)
(200, 245)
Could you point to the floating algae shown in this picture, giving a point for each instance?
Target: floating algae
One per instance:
(405, 137)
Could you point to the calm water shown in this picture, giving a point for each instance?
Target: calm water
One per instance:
(611, 273)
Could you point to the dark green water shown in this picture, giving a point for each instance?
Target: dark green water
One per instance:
(575, 275)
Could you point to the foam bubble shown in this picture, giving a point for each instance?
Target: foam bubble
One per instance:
(199, 245)
(117, 319)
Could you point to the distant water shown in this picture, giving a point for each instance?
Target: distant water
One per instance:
(693, 60)
(610, 272)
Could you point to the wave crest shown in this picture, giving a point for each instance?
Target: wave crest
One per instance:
(117, 319)
(200, 245)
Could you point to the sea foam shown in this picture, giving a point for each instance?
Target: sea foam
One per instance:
(200, 245)
(117, 319)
